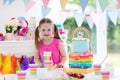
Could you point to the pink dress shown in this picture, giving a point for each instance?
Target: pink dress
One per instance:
(53, 48)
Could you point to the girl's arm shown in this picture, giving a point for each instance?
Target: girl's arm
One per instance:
(63, 54)
(37, 58)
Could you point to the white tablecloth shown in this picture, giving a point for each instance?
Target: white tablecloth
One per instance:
(44, 74)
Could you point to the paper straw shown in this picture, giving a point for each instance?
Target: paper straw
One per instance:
(104, 59)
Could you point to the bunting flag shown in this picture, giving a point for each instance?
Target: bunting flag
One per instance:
(62, 16)
(79, 18)
(26, 2)
(45, 2)
(11, 1)
(63, 3)
(30, 5)
(83, 4)
(90, 21)
(118, 2)
(103, 4)
(45, 11)
(113, 14)
(4, 2)
(96, 18)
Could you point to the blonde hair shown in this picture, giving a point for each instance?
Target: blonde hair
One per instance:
(37, 36)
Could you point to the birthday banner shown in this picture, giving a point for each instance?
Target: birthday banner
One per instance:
(118, 2)
(63, 3)
(113, 14)
(45, 2)
(79, 18)
(103, 4)
(26, 2)
(89, 21)
(30, 5)
(62, 16)
(45, 11)
(83, 4)
(9, 1)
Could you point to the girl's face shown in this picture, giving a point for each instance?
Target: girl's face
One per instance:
(46, 31)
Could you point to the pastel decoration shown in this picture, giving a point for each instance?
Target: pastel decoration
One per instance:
(7, 64)
(83, 4)
(4, 2)
(103, 4)
(113, 14)
(1, 62)
(24, 63)
(79, 18)
(63, 3)
(20, 23)
(45, 11)
(89, 21)
(30, 5)
(21, 18)
(26, 2)
(118, 2)
(45, 2)
(62, 16)
(11, 1)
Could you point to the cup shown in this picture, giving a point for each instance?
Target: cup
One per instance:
(21, 75)
(97, 69)
(105, 75)
(33, 69)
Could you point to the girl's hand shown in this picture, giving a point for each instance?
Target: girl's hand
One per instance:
(40, 65)
(59, 66)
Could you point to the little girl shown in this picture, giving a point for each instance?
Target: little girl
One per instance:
(47, 39)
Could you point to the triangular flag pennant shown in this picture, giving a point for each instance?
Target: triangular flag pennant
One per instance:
(62, 17)
(103, 4)
(11, 1)
(63, 3)
(98, 19)
(45, 11)
(4, 2)
(45, 2)
(79, 18)
(113, 14)
(90, 21)
(30, 5)
(118, 2)
(26, 2)
(83, 4)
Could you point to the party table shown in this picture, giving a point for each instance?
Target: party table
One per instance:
(57, 74)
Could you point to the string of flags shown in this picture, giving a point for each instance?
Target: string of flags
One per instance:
(80, 17)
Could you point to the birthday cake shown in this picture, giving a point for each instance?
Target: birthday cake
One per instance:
(81, 57)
